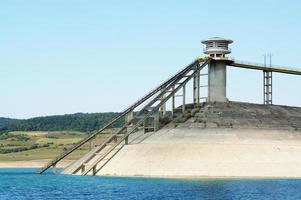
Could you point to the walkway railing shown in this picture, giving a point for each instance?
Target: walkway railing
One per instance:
(148, 96)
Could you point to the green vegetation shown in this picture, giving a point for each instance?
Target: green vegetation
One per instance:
(75, 122)
(5, 121)
(46, 137)
(23, 146)
(19, 149)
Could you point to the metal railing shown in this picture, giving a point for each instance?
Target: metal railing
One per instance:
(124, 113)
(263, 65)
(177, 84)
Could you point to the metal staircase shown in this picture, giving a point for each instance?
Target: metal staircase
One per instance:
(96, 159)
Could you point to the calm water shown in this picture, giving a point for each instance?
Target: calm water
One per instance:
(25, 184)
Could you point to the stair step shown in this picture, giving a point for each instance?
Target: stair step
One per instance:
(111, 143)
(99, 154)
(149, 108)
(179, 83)
(121, 135)
(105, 159)
(174, 82)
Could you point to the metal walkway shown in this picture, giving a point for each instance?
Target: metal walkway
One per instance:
(154, 101)
(272, 68)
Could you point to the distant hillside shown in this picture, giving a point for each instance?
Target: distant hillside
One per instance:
(77, 122)
(4, 121)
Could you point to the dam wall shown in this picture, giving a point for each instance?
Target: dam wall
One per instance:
(217, 140)
(214, 153)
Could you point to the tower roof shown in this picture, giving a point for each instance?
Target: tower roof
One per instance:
(217, 39)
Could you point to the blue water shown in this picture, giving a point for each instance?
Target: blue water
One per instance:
(25, 184)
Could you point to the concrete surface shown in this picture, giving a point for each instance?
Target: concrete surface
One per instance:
(224, 140)
(214, 153)
(217, 81)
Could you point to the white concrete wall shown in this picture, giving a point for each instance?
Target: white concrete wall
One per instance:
(196, 153)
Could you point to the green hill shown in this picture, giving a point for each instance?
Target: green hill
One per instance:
(5, 121)
(84, 122)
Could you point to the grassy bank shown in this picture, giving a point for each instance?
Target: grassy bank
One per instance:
(25, 146)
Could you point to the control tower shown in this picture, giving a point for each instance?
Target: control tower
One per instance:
(148, 114)
(217, 48)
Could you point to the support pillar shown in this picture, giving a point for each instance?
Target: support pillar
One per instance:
(91, 144)
(196, 89)
(54, 169)
(94, 170)
(173, 102)
(128, 120)
(184, 99)
(217, 80)
(156, 121)
(163, 107)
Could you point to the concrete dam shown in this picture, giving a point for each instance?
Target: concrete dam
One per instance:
(211, 137)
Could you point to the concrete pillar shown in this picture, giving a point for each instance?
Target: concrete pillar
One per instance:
(128, 118)
(173, 102)
(163, 107)
(196, 88)
(217, 79)
(184, 99)
(156, 121)
(94, 170)
(145, 126)
(54, 169)
(92, 143)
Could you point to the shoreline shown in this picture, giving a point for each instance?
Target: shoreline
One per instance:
(196, 178)
(215, 154)
(31, 164)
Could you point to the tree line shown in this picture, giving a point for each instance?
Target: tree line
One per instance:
(84, 122)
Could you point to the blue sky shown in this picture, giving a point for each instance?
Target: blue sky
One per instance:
(67, 56)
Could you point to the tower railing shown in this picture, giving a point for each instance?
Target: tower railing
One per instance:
(268, 68)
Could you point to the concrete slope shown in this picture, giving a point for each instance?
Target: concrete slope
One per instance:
(91, 158)
(241, 116)
(191, 153)
(218, 140)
